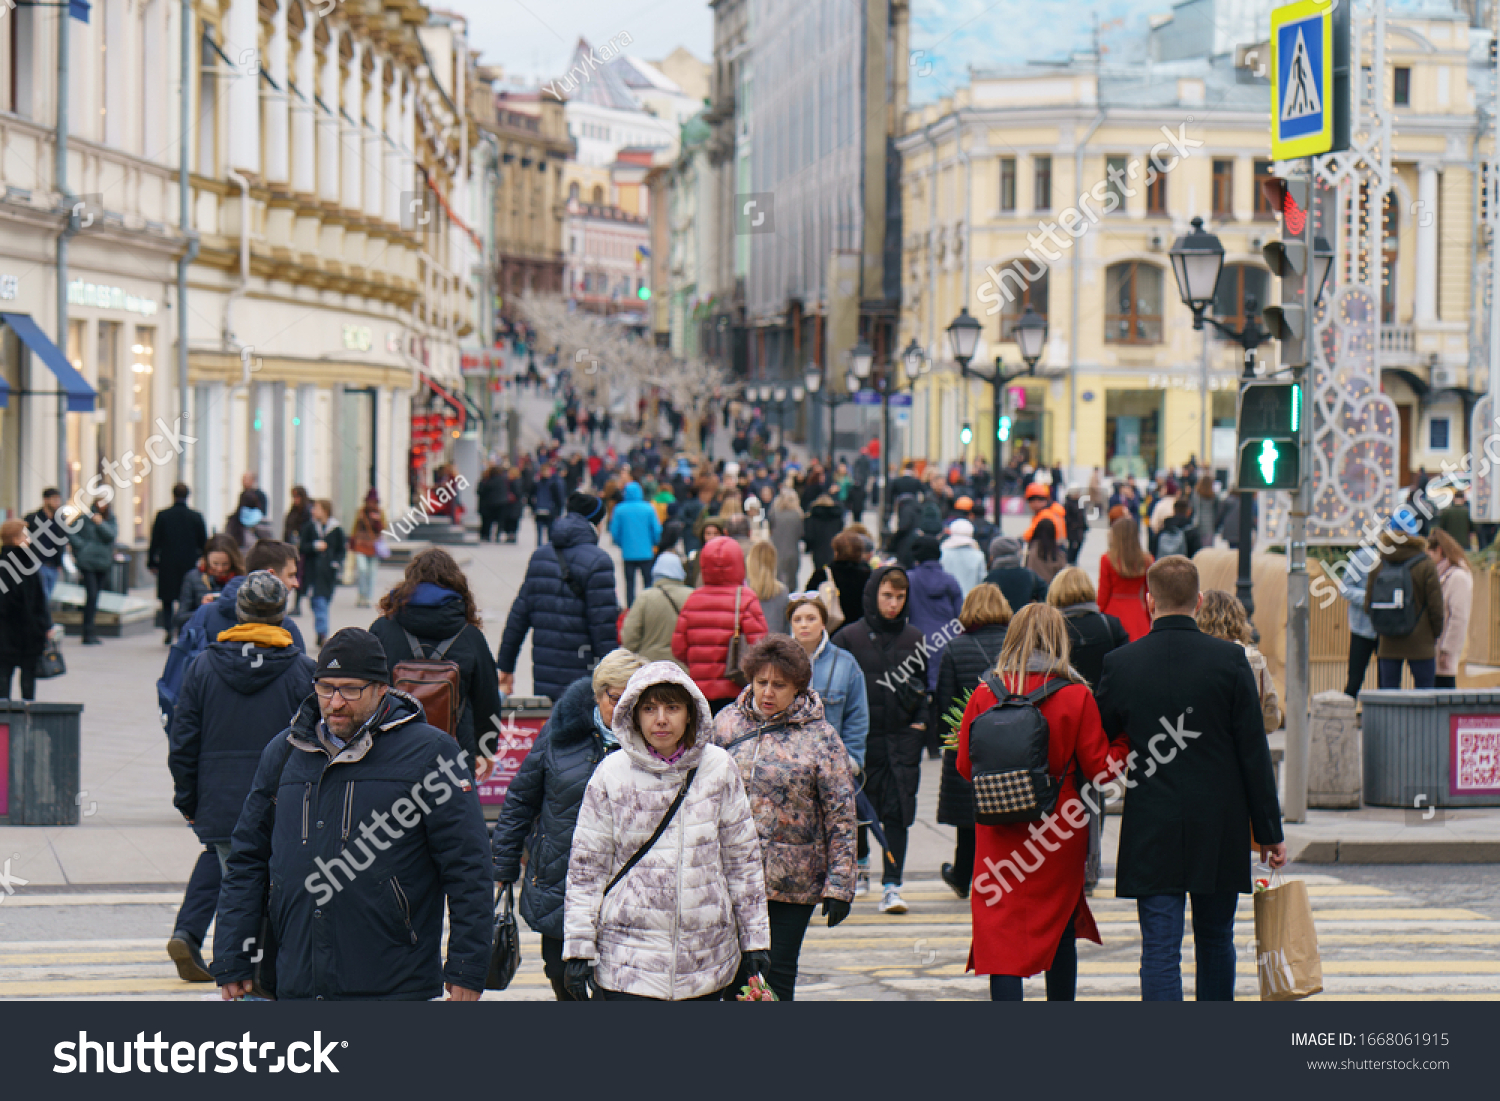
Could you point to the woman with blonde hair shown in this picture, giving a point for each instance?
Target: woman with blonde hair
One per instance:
(1122, 578)
(984, 617)
(1458, 599)
(1091, 633)
(1223, 616)
(1026, 923)
(760, 572)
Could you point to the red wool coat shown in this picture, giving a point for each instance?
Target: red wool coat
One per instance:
(706, 622)
(1124, 598)
(1019, 916)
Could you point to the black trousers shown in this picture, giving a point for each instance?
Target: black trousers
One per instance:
(201, 897)
(28, 679)
(618, 996)
(489, 524)
(789, 922)
(1361, 650)
(168, 604)
(1062, 976)
(1438, 681)
(963, 855)
(552, 967)
(93, 581)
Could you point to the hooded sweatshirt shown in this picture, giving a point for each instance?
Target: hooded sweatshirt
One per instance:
(675, 926)
(634, 526)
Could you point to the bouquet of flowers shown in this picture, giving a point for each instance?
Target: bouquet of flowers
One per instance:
(756, 990)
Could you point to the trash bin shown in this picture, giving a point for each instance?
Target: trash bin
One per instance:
(39, 746)
(117, 580)
(1437, 745)
(522, 719)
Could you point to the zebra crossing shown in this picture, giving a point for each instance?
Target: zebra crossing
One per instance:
(1376, 943)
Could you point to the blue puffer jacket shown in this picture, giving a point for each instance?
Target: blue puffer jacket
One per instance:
(235, 698)
(840, 684)
(549, 496)
(933, 607)
(568, 633)
(354, 856)
(634, 527)
(546, 795)
(210, 619)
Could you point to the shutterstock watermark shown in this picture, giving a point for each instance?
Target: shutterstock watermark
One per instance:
(1006, 284)
(1073, 815)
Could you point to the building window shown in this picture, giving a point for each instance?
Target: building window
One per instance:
(1042, 183)
(1007, 183)
(1262, 204)
(1223, 197)
(1032, 292)
(1236, 282)
(1114, 172)
(598, 195)
(1437, 434)
(1401, 87)
(573, 191)
(1134, 304)
(1156, 194)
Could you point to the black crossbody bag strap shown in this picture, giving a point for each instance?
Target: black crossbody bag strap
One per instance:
(661, 828)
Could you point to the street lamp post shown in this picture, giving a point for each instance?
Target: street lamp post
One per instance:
(914, 364)
(1030, 335)
(860, 360)
(1197, 262)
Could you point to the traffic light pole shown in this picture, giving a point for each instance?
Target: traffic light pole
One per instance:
(1298, 612)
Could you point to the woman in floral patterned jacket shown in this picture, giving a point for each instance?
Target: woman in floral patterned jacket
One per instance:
(801, 790)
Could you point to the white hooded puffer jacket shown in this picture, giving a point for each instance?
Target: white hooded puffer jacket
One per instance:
(674, 928)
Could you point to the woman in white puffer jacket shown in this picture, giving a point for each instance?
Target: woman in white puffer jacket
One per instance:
(675, 925)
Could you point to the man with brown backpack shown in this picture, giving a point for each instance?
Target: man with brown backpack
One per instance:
(429, 627)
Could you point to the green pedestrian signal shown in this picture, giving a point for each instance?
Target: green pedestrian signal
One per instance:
(1270, 435)
(1002, 431)
(965, 434)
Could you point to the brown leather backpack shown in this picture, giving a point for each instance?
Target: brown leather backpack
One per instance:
(435, 683)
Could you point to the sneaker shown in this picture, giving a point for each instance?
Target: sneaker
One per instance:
(862, 883)
(188, 958)
(892, 902)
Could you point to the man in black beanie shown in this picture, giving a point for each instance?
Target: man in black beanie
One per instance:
(365, 819)
(568, 600)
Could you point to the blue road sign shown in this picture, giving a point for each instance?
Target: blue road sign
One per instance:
(1301, 64)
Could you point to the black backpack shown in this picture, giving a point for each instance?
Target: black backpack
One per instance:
(930, 518)
(1008, 756)
(906, 511)
(1393, 599)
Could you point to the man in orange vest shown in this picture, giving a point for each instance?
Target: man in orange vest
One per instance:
(1043, 507)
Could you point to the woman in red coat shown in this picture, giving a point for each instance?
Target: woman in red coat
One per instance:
(706, 623)
(1028, 901)
(1122, 578)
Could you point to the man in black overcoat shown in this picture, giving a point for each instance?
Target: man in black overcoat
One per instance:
(1200, 780)
(177, 538)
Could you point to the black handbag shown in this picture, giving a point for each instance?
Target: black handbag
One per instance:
(505, 948)
(50, 664)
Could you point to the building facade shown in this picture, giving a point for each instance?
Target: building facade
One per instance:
(331, 280)
(1064, 186)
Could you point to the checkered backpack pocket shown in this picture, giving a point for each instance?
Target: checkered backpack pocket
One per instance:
(1008, 747)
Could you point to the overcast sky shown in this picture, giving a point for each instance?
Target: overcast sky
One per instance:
(536, 37)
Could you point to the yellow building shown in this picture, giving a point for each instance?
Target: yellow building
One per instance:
(1063, 187)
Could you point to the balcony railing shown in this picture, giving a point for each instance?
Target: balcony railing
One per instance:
(1398, 339)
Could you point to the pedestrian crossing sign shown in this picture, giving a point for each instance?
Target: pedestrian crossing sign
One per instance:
(1301, 64)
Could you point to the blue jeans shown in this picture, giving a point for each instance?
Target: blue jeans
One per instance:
(49, 580)
(1422, 672)
(365, 566)
(1213, 945)
(320, 615)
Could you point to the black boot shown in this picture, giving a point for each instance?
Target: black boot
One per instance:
(187, 954)
(960, 889)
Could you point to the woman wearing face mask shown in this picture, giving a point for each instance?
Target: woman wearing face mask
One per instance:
(669, 920)
(247, 525)
(545, 797)
(801, 790)
(221, 562)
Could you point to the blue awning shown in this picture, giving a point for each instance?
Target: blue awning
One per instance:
(80, 393)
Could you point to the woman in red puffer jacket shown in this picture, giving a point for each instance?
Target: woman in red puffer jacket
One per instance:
(706, 622)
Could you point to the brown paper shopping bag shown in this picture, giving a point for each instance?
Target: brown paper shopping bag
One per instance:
(1286, 943)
